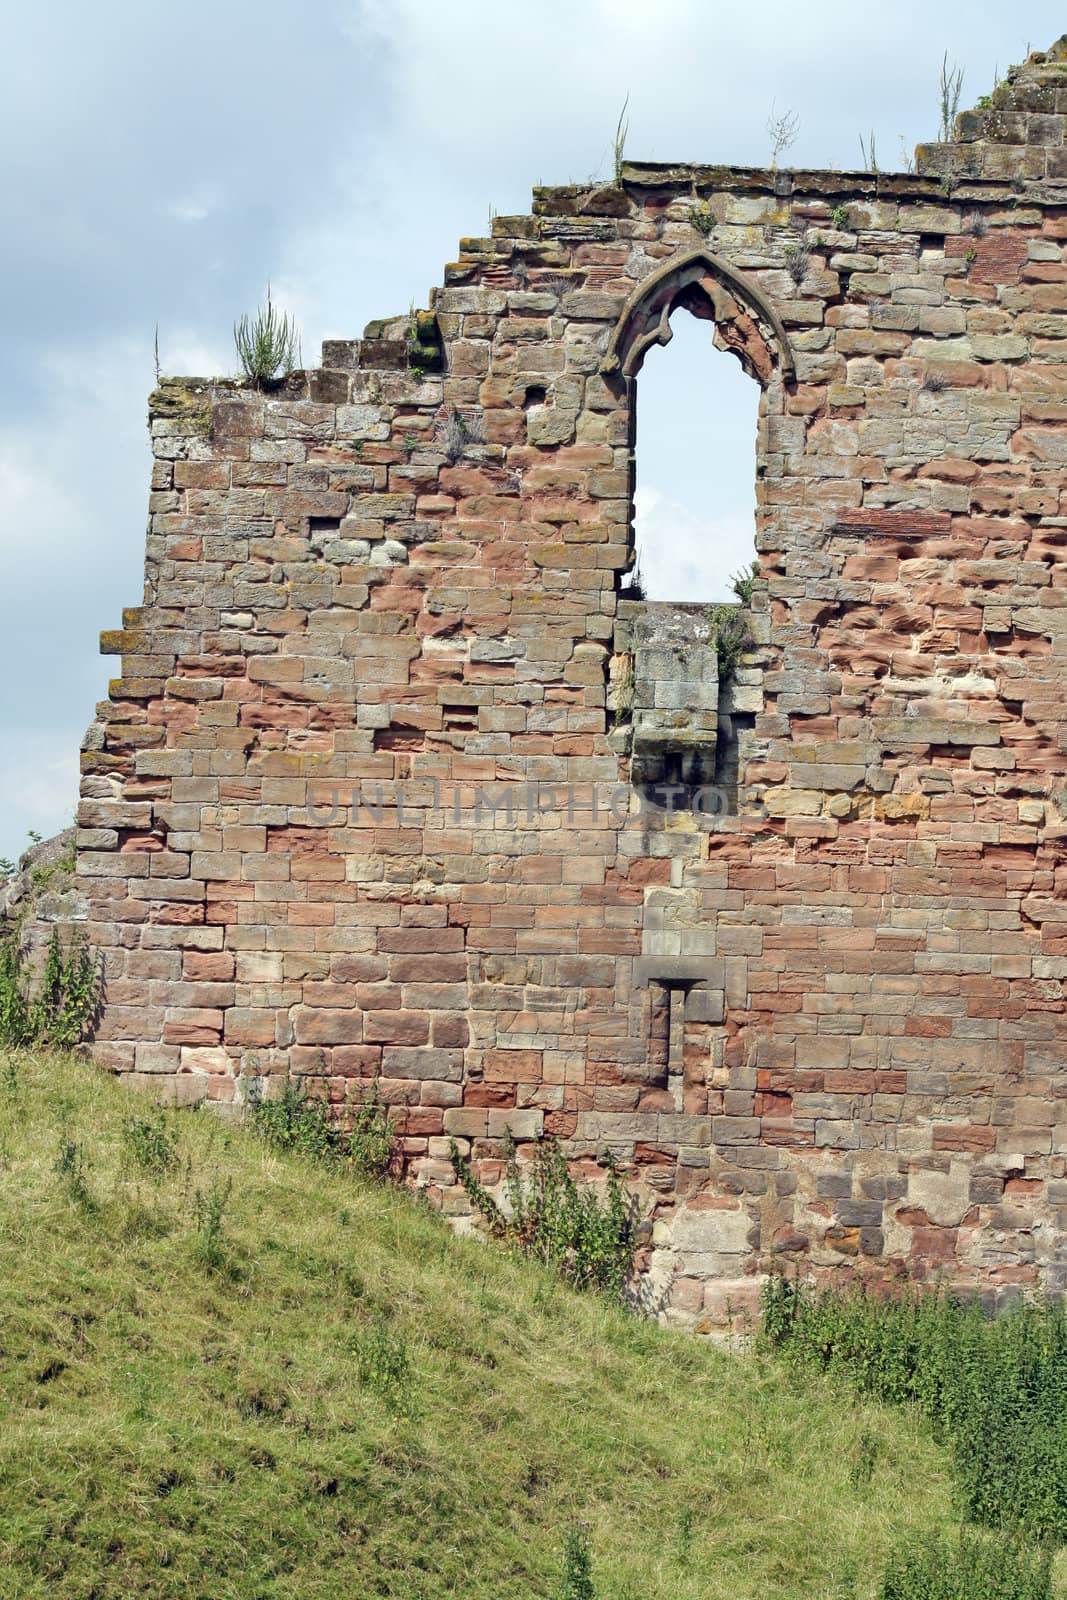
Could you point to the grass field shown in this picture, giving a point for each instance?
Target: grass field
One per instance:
(227, 1373)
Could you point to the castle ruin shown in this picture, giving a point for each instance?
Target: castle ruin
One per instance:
(396, 783)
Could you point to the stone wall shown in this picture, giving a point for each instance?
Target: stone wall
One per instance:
(361, 803)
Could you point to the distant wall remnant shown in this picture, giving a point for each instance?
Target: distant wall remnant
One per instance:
(395, 782)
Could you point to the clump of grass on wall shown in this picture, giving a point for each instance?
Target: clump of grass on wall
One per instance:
(268, 344)
(731, 638)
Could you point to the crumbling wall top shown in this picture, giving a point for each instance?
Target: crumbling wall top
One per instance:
(1015, 132)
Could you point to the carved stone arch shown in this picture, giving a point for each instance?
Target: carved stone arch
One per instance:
(711, 289)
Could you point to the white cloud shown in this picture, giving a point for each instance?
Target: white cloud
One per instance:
(185, 352)
(685, 556)
(196, 205)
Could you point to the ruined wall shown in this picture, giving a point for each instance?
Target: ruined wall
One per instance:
(824, 1023)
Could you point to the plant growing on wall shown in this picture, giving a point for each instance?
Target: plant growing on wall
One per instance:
(268, 345)
(44, 873)
(950, 88)
(743, 583)
(458, 431)
(622, 128)
(797, 261)
(782, 131)
(702, 218)
(728, 632)
(633, 587)
(368, 1145)
(590, 1241)
(294, 1124)
(63, 1011)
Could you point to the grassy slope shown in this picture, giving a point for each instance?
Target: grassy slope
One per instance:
(167, 1429)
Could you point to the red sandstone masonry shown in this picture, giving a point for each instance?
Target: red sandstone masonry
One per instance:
(864, 1069)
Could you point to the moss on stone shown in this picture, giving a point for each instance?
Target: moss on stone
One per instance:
(186, 400)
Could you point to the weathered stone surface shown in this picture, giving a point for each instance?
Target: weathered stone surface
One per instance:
(791, 942)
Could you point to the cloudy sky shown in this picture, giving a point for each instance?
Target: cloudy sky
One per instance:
(159, 164)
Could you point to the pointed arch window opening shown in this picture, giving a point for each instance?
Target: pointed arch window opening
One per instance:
(667, 666)
(693, 462)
